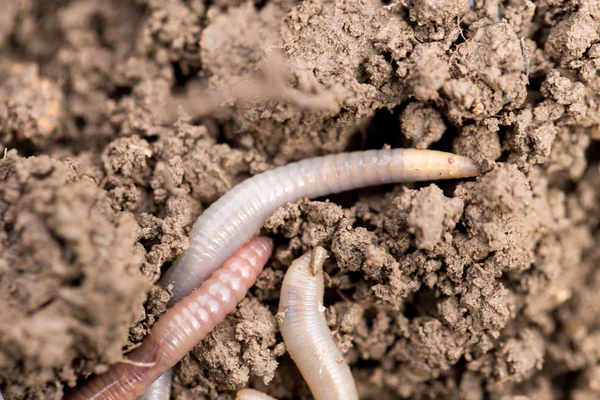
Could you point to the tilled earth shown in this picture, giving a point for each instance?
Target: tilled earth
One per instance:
(120, 121)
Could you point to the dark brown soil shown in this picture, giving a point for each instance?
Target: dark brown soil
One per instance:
(120, 121)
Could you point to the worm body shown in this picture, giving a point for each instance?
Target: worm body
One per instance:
(305, 332)
(182, 327)
(251, 394)
(160, 389)
(233, 219)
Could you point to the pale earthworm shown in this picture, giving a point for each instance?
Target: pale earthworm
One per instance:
(233, 219)
(183, 326)
(160, 389)
(251, 394)
(305, 333)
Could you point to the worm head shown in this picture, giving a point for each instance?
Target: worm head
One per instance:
(319, 255)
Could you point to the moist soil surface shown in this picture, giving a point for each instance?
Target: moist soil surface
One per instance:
(121, 121)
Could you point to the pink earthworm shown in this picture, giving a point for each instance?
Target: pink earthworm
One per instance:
(305, 333)
(233, 219)
(251, 394)
(160, 389)
(181, 327)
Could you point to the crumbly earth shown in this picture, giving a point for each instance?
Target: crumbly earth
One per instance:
(120, 121)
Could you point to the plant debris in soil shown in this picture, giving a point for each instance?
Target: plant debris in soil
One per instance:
(120, 121)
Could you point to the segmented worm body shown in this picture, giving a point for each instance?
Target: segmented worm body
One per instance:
(305, 332)
(251, 394)
(160, 389)
(182, 327)
(233, 219)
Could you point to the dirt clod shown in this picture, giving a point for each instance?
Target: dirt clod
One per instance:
(69, 273)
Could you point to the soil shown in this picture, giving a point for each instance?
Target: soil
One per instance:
(120, 121)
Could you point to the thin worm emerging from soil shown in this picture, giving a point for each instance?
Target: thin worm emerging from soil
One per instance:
(305, 332)
(251, 394)
(182, 327)
(160, 388)
(233, 219)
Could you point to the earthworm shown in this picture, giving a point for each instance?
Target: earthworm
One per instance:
(160, 389)
(181, 327)
(251, 394)
(233, 219)
(305, 333)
